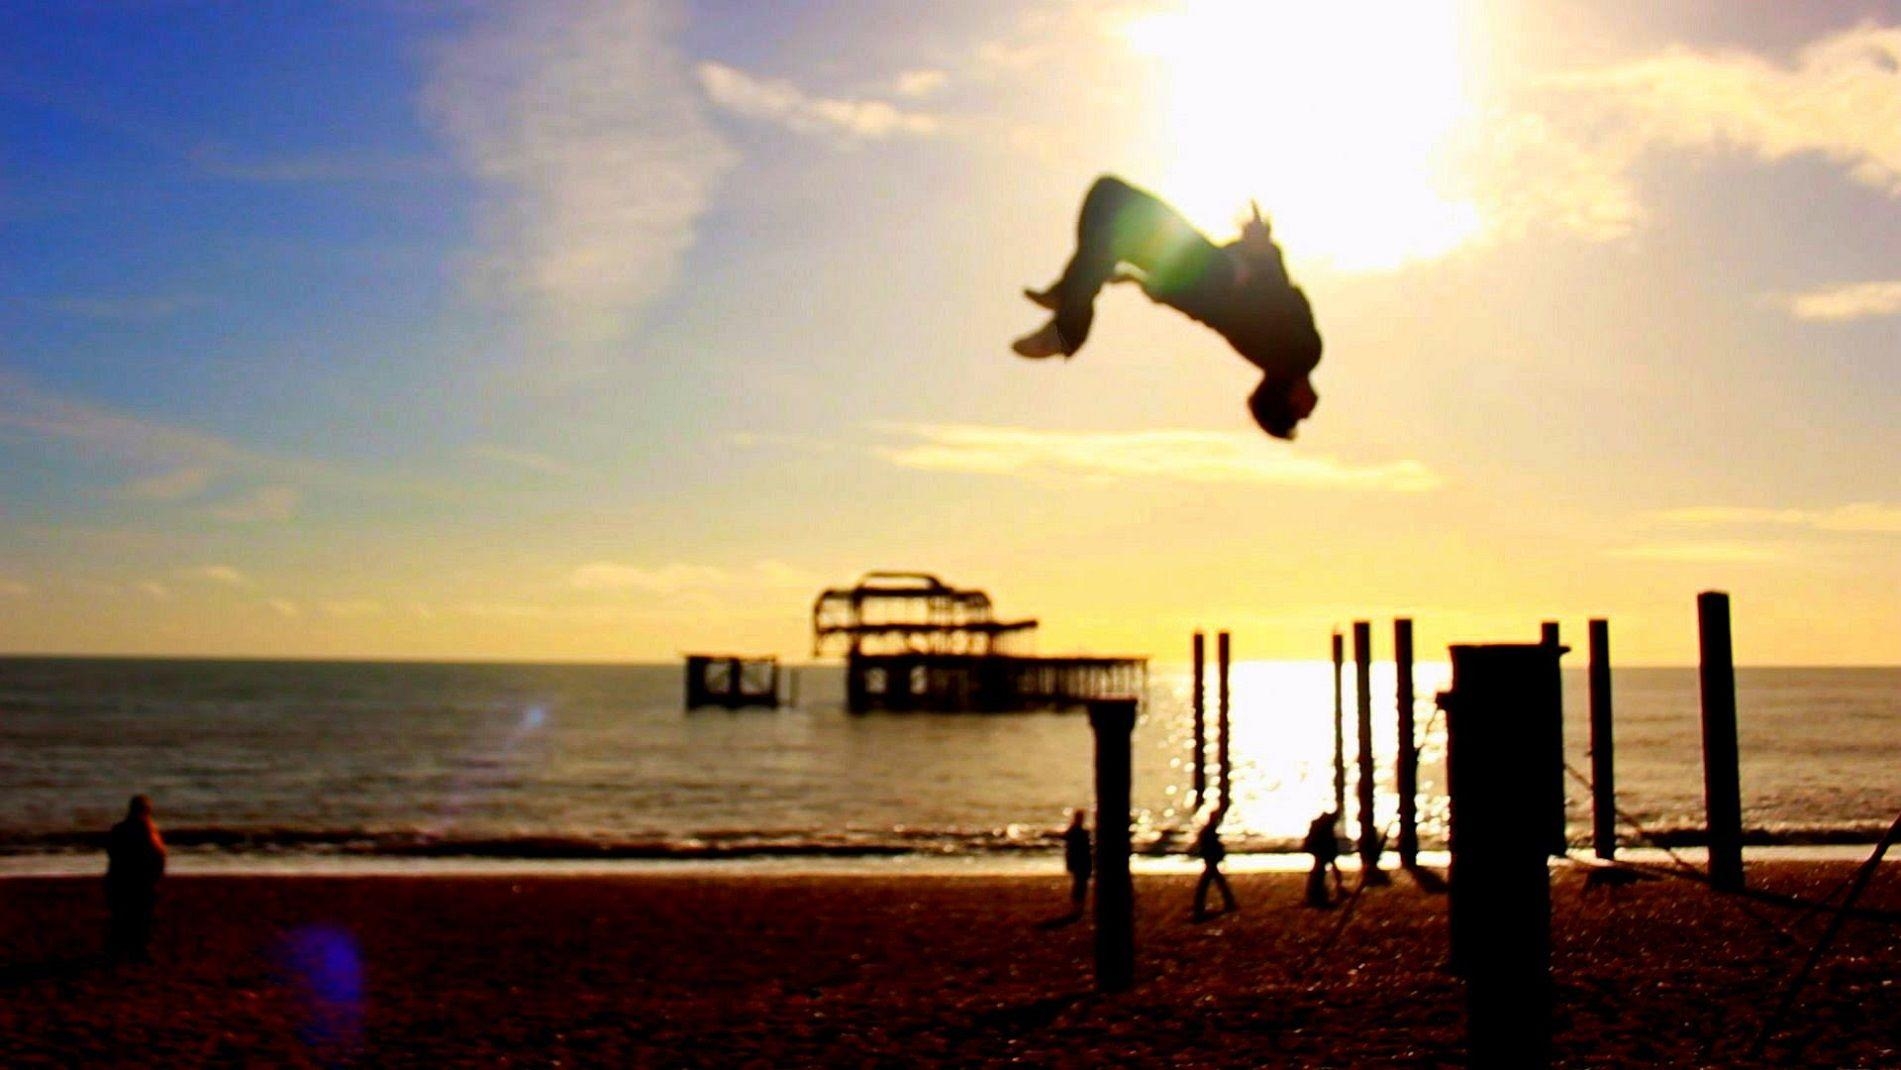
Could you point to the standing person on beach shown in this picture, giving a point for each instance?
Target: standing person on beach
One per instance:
(135, 860)
(1240, 289)
(1079, 858)
(1209, 848)
(1325, 847)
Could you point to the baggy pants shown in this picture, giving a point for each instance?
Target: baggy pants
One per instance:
(1120, 224)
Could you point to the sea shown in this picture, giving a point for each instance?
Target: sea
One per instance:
(302, 764)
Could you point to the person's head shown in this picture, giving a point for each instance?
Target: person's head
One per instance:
(1076, 818)
(139, 809)
(1280, 403)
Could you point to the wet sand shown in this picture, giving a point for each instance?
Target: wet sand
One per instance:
(894, 970)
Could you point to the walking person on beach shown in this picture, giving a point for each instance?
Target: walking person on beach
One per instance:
(1325, 847)
(135, 860)
(1240, 289)
(1079, 859)
(1209, 848)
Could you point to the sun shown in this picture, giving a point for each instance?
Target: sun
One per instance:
(1332, 116)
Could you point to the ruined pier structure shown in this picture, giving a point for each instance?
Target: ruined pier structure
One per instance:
(913, 642)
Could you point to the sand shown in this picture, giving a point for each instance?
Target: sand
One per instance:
(772, 970)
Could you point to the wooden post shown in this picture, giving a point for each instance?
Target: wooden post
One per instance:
(1201, 723)
(1406, 771)
(1113, 723)
(1221, 725)
(1551, 722)
(1363, 679)
(1500, 888)
(1603, 751)
(1339, 730)
(1722, 782)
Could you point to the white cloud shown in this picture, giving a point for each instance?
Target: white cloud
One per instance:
(1704, 553)
(221, 574)
(26, 407)
(179, 483)
(284, 607)
(353, 608)
(155, 589)
(1189, 456)
(782, 102)
(584, 125)
(1856, 516)
(1858, 300)
(527, 460)
(921, 83)
(1567, 158)
(263, 504)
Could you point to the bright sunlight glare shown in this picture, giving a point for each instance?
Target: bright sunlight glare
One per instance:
(1330, 115)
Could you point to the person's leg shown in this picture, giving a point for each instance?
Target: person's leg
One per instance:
(1120, 224)
(1227, 893)
(1201, 892)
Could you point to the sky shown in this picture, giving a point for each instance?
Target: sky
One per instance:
(612, 330)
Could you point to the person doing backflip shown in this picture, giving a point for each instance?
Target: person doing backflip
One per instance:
(1240, 289)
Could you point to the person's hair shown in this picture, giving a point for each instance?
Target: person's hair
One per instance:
(1272, 408)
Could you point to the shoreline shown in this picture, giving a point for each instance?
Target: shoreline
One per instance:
(1026, 863)
(698, 969)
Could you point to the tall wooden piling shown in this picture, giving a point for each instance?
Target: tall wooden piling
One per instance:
(1406, 766)
(1200, 758)
(1551, 745)
(1363, 681)
(1722, 783)
(1221, 724)
(1500, 889)
(1603, 750)
(1113, 723)
(1339, 729)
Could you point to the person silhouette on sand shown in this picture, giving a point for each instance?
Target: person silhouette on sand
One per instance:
(1325, 847)
(1209, 848)
(1079, 859)
(135, 860)
(1240, 289)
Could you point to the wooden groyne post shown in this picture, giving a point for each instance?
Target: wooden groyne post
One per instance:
(1201, 722)
(1551, 745)
(1500, 889)
(1603, 750)
(1406, 771)
(1722, 782)
(1112, 721)
(1370, 872)
(1339, 729)
(1221, 726)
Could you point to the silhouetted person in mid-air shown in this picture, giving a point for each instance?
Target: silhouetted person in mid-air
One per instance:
(1209, 849)
(1079, 859)
(135, 860)
(1240, 289)
(1325, 847)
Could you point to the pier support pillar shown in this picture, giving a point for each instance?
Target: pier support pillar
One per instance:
(1500, 888)
(1200, 759)
(1113, 723)
(1603, 750)
(1722, 783)
(1406, 766)
(1339, 730)
(1370, 872)
(1221, 725)
(1551, 745)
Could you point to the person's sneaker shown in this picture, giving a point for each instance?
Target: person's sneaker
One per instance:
(1046, 341)
(1047, 299)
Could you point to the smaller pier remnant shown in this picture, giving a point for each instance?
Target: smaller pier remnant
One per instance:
(731, 681)
(913, 642)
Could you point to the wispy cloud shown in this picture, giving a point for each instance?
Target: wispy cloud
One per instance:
(784, 103)
(219, 574)
(284, 607)
(221, 162)
(1859, 300)
(922, 82)
(26, 407)
(527, 460)
(1706, 553)
(584, 124)
(1189, 456)
(679, 578)
(155, 589)
(275, 503)
(353, 608)
(1857, 516)
(1569, 158)
(174, 485)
